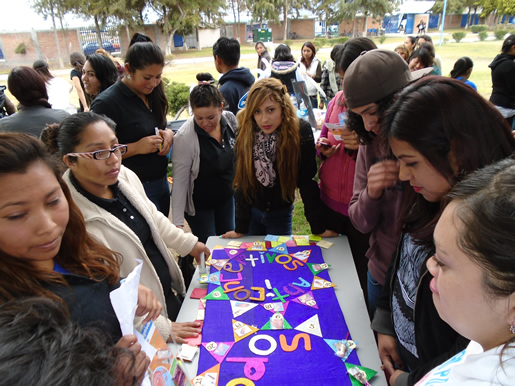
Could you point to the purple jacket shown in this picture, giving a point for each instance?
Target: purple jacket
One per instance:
(380, 217)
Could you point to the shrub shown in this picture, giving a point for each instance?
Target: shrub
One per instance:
(177, 95)
(338, 40)
(382, 39)
(499, 34)
(483, 35)
(479, 28)
(20, 48)
(457, 36)
(288, 42)
(320, 42)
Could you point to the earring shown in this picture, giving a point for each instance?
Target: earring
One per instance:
(129, 76)
(512, 328)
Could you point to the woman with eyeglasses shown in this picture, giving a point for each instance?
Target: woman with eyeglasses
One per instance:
(119, 215)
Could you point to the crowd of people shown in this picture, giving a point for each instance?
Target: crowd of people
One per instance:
(416, 169)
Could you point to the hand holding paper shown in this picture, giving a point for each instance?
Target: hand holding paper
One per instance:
(147, 303)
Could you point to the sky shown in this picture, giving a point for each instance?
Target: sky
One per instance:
(17, 15)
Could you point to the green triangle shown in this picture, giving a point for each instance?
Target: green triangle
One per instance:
(268, 326)
(369, 372)
(313, 270)
(217, 294)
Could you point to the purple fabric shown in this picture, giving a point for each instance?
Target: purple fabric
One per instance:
(320, 366)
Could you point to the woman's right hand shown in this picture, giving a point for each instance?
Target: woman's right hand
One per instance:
(182, 331)
(327, 151)
(127, 371)
(232, 235)
(388, 352)
(149, 144)
(382, 175)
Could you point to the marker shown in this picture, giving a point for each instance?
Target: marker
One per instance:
(157, 133)
(202, 268)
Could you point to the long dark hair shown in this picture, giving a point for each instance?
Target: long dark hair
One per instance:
(283, 54)
(141, 55)
(461, 67)
(105, 72)
(77, 61)
(28, 87)
(79, 253)
(455, 144)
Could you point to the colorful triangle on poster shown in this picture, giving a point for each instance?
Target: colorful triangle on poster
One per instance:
(319, 283)
(277, 322)
(242, 330)
(311, 326)
(217, 294)
(257, 246)
(208, 378)
(218, 350)
(281, 249)
(276, 307)
(317, 267)
(307, 299)
(365, 373)
(218, 263)
(212, 278)
(341, 347)
(233, 252)
(302, 255)
(239, 308)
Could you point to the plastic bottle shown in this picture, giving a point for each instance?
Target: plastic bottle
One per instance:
(294, 101)
(303, 111)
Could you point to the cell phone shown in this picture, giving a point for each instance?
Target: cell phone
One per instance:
(326, 145)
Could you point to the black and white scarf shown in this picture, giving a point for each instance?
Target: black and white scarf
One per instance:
(264, 157)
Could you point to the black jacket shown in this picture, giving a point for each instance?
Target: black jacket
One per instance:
(436, 341)
(89, 304)
(503, 81)
(270, 199)
(233, 85)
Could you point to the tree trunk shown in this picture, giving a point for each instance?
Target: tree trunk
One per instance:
(61, 64)
(354, 27)
(60, 16)
(169, 42)
(468, 20)
(239, 20)
(235, 32)
(97, 29)
(128, 32)
(285, 19)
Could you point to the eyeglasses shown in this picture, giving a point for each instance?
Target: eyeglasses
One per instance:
(101, 154)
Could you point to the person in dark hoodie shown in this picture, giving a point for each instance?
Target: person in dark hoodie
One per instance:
(285, 68)
(235, 81)
(503, 80)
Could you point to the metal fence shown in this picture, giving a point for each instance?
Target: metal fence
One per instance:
(110, 40)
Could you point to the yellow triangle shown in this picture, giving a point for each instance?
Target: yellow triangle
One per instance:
(319, 283)
(242, 330)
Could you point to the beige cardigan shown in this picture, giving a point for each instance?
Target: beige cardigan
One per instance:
(114, 234)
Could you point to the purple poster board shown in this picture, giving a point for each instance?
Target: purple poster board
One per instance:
(319, 365)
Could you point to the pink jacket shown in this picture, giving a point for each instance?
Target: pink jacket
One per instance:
(337, 172)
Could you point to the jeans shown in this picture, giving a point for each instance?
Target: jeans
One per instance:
(158, 191)
(212, 222)
(314, 101)
(270, 223)
(374, 291)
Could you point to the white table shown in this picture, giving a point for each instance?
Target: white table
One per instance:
(348, 292)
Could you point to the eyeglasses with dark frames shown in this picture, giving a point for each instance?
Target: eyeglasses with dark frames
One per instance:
(101, 154)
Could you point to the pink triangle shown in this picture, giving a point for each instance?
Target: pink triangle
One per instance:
(218, 350)
(272, 307)
(233, 252)
(306, 299)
